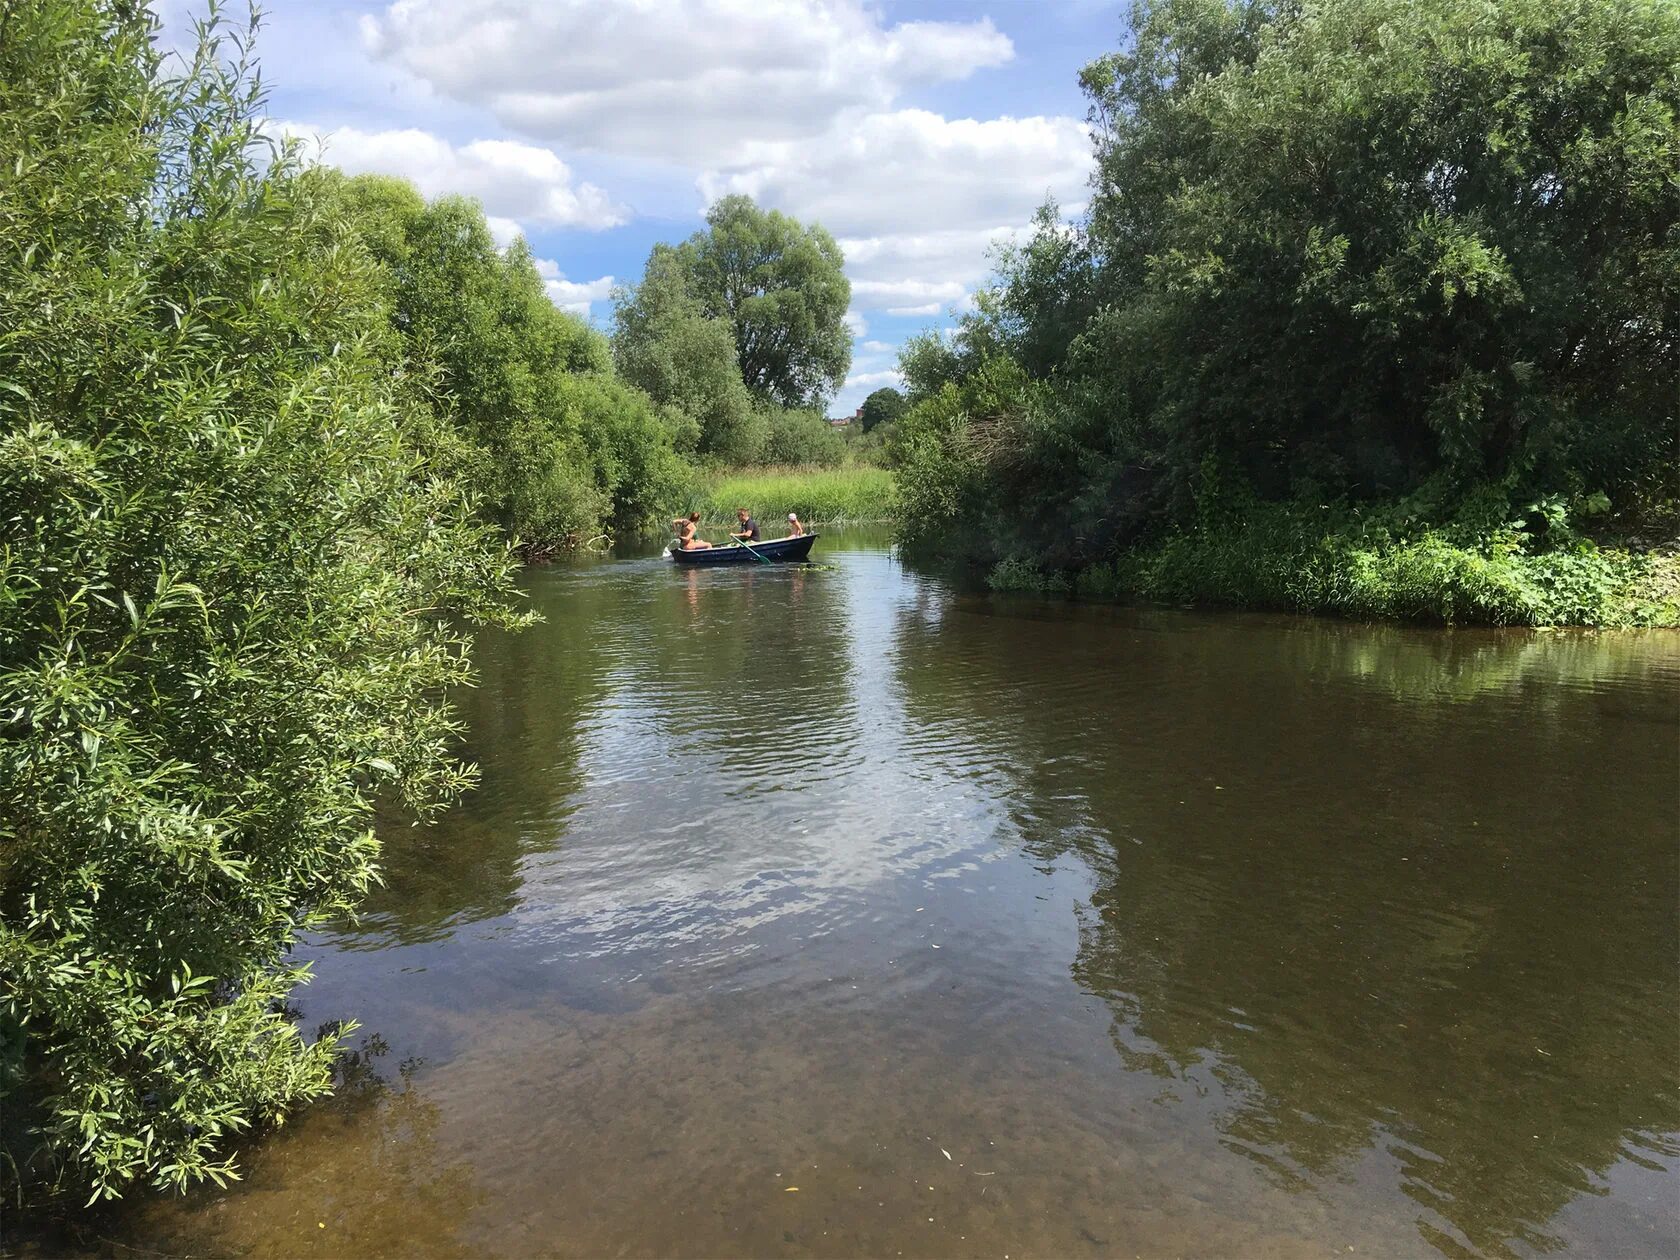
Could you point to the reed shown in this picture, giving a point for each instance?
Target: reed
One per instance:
(819, 495)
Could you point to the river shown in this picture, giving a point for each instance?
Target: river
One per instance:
(833, 911)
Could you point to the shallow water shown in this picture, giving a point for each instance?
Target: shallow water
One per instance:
(1004, 927)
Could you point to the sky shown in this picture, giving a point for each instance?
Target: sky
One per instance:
(919, 134)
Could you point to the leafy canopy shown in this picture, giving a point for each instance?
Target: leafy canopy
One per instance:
(780, 286)
(236, 566)
(665, 343)
(559, 450)
(1335, 249)
(882, 407)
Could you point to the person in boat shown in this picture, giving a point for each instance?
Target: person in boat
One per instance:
(686, 534)
(795, 529)
(747, 531)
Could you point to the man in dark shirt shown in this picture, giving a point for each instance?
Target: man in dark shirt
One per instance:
(748, 532)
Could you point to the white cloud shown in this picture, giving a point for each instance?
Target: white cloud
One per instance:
(914, 172)
(572, 295)
(918, 201)
(962, 256)
(874, 380)
(503, 230)
(855, 323)
(682, 80)
(879, 347)
(517, 183)
(858, 386)
(885, 294)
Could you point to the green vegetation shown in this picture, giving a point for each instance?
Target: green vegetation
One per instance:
(559, 449)
(238, 562)
(780, 285)
(818, 495)
(1373, 311)
(882, 407)
(665, 343)
(1327, 559)
(737, 335)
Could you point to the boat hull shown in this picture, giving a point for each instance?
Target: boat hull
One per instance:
(776, 551)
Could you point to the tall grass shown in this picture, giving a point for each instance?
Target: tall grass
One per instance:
(818, 495)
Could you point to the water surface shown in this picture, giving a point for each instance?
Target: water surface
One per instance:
(1004, 927)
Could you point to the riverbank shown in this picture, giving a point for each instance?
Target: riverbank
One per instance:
(1281, 561)
(820, 496)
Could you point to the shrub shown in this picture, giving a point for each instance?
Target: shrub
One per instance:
(559, 449)
(231, 565)
(802, 438)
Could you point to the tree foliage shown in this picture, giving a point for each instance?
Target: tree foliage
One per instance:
(234, 560)
(560, 450)
(780, 286)
(665, 343)
(882, 407)
(739, 330)
(802, 438)
(1338, 249)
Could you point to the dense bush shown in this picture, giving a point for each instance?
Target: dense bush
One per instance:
(1344, 249)
(801, 437)
(233, 563)
(1385, 561)
(560, 450)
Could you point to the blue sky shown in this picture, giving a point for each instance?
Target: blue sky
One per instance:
(918, 133)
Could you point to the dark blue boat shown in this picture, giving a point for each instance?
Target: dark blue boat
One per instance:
(777, 550)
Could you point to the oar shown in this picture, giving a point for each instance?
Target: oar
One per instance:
(756, 556)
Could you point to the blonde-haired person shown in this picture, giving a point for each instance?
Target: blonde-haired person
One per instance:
(795, 529)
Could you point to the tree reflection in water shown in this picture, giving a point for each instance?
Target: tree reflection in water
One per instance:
(1378, 891)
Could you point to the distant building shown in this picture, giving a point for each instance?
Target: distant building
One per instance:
(840, 422)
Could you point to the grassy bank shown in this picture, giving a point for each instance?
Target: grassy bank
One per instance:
(818, 495)
(1280, 559)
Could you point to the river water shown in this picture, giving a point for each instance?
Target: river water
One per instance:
(833, 911)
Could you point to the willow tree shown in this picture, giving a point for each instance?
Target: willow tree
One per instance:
(780, 285)
(232, 576)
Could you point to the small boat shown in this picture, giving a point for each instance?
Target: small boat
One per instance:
(777, 550)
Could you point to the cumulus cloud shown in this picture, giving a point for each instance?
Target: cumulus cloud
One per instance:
(855, 323)
(962, 256)
(886, 294)
(912, 171)
(681, 80)
(793, 102)
(918, 201)
(874, 380)
(572, 295)
(517, 183)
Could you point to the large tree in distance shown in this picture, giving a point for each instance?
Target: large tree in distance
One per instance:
(780, 285)
(665, 343)
(882, 407)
